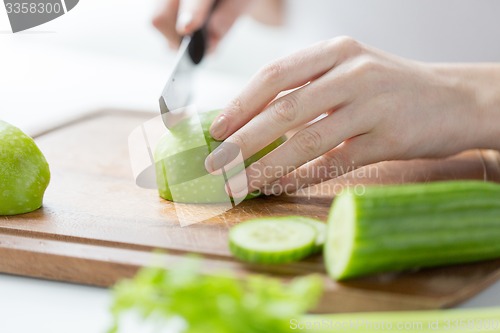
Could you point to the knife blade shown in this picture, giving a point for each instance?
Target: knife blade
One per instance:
(177, 92)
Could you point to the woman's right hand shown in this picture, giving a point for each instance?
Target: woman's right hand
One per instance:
(182, 17)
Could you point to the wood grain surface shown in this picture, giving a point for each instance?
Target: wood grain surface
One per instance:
(97, 226)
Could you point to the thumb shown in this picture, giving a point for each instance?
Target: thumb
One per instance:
(192, 15)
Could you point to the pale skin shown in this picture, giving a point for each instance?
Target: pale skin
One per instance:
(378, 107)
(182, 17)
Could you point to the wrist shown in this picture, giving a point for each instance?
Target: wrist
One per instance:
(488, 103)
(477, 89)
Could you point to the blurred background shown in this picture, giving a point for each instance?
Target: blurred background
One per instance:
(106, 54)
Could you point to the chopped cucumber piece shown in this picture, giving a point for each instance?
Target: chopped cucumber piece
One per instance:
(272, 240)
(180, 169)
(395, 228)
(320, 230)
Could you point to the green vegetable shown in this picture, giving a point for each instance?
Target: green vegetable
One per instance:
(320, 228)
(217, 303)
(223, 304)
(273, 240)
(24, 172)
(180, 163)
(394, 228)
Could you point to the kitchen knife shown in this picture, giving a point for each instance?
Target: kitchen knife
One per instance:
(177, 92)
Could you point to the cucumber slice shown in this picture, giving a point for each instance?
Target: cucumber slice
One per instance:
(320, 228)
(273, 240)
(395, 228)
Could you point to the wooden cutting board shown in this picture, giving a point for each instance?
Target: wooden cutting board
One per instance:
(97, 226)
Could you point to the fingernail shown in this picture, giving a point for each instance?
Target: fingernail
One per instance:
(183, 20)
(217, 159)
(219, 127)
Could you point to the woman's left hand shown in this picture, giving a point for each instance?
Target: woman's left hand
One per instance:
(377, 107)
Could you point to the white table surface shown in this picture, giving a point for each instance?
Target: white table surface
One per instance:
(69, 67)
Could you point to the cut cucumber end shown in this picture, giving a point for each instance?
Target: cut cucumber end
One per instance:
(398, 228)
(340, 236)
(272, 240)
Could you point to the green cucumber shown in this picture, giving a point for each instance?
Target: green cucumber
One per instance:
(180, 163)
(320, 228)
(272, 240)
(395, 228)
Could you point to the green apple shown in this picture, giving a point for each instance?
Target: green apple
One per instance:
(24, 172)
(180, 162)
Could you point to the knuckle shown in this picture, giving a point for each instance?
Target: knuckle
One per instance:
(271, 72)
(335, 159)
(366, 64)
(285, 110)
(338, 163)
(348, 44)
(234, 107)
(308, 142)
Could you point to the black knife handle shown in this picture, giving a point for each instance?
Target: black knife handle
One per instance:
(199, 40)
(198, 45)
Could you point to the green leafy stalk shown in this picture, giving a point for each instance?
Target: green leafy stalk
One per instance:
(259, 304)
(215, 303)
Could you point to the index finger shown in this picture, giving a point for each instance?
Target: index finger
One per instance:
(289, 72)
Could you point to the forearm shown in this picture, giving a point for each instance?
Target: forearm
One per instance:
(479, 85)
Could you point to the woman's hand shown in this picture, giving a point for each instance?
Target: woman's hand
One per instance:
(183, 17)
(375, 107)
